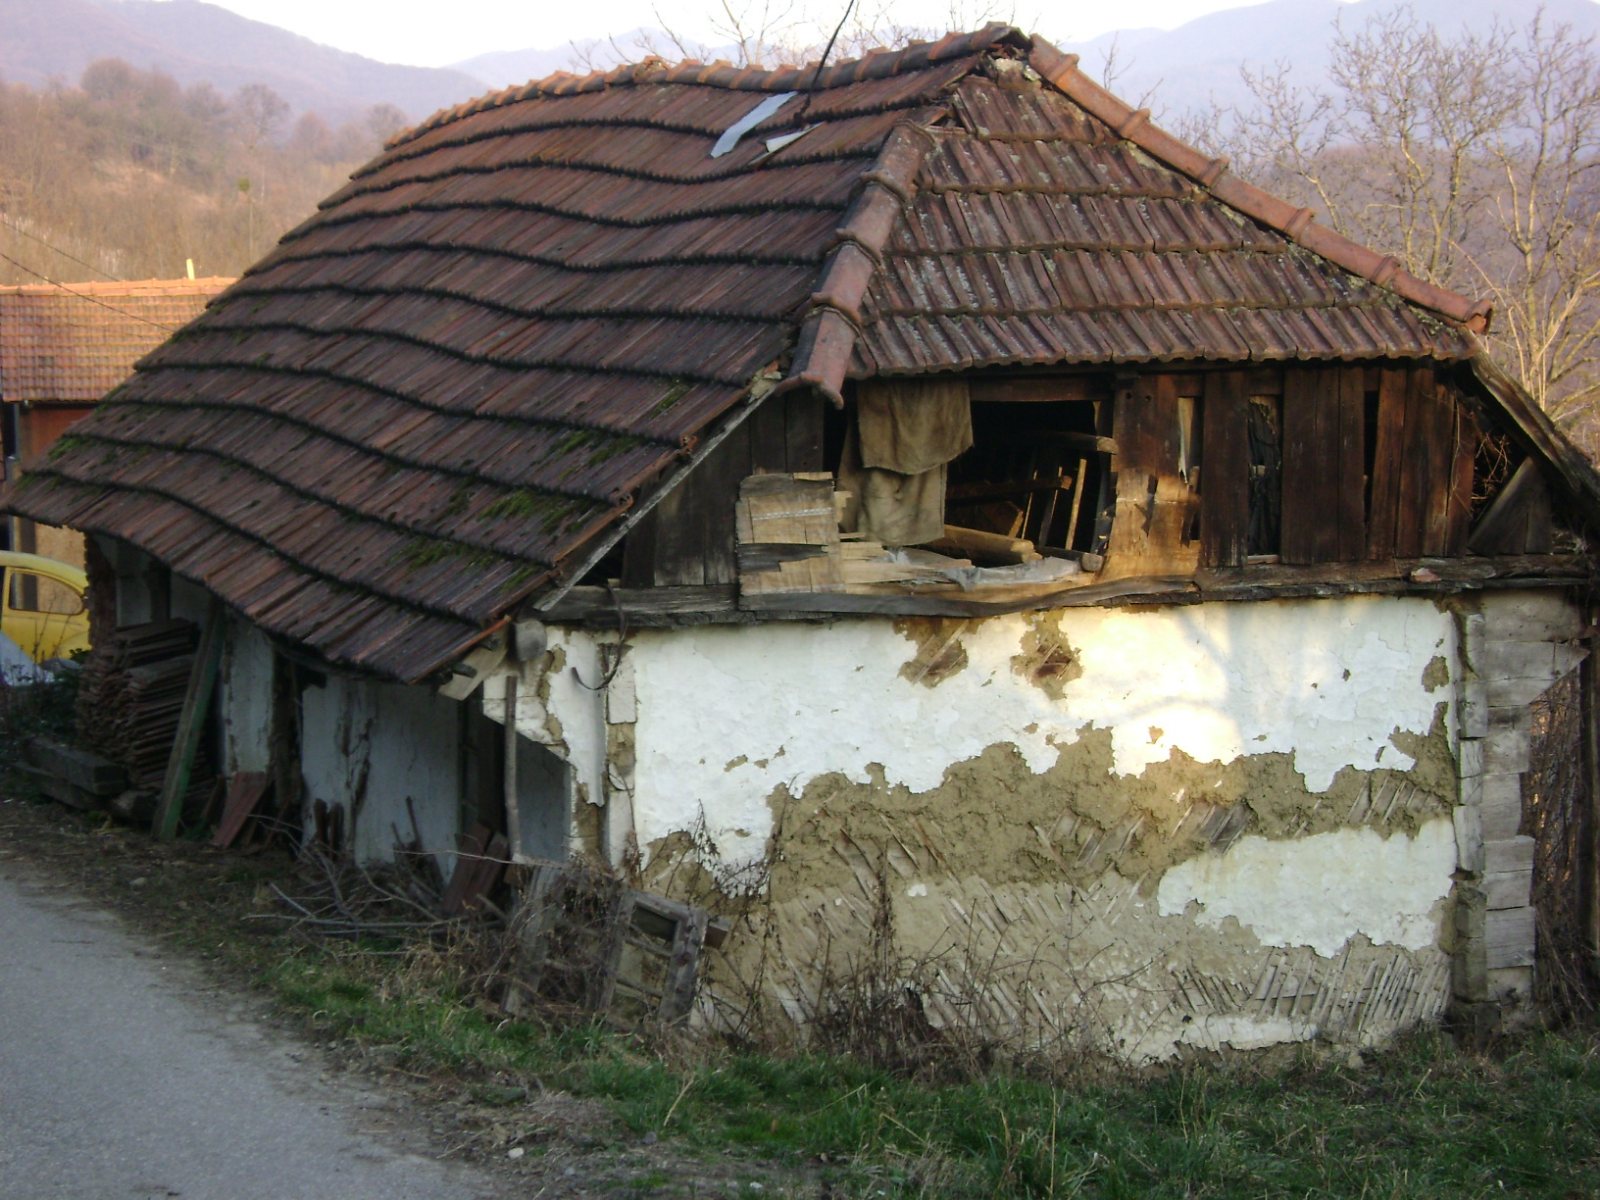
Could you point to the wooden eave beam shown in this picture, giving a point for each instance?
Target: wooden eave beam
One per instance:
(702, 605)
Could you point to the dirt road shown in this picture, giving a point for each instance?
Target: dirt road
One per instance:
(124, 1073)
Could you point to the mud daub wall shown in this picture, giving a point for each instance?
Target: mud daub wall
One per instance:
(1207, 826)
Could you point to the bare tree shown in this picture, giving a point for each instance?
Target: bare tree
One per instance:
(767, 33)
(1475, 159)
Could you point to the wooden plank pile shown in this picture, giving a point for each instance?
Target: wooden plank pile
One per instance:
(129, 705)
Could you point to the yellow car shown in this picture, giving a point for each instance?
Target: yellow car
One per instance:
(43, 610)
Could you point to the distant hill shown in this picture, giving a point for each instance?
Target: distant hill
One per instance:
(194, 42)
(1199, 61)
(508, 68)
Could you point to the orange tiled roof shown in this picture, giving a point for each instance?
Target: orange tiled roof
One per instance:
(73, 343)
(438, 394)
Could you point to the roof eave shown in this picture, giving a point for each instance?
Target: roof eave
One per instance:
(1299, 225)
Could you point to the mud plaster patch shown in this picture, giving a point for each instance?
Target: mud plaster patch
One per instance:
(1045, 657)
(620, 752)
(1001, 864)
(1436, 674)
(994, 818)
(940, 653)
(555, 662)
(588, 822)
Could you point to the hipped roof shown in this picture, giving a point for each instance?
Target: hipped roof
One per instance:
(444, 388)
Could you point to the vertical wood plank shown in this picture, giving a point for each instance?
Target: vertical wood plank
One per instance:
(804, 414)
(1350, 482)
(1440, 453)
(1416, 467)
(1307, 515)
(1459, 522)
(718, 492)
(1225, 481)
(1387, 463)
(677, 557)
(639, 552)
(694, 522)
(1154, 505)
(769, 438)
(191, 723)
(1587, 866)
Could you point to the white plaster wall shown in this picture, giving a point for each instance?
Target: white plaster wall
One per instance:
(246, 699)
(726, 715)
(380, 743)
(1321, 891)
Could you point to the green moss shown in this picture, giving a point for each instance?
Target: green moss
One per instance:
(420, 552)
(575, 440)
(679, 389)
(520, 503)
(609, 449)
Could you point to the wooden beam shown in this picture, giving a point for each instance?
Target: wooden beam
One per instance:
(1587, 866)
(1515, 515)
(1039, 389)
(196, 703)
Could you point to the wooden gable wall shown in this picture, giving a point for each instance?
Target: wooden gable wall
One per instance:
(1372, 463)
(1365, 469)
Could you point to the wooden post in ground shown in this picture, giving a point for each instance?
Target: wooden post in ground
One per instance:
(191, 723)
(513, 813)
(1587, 865)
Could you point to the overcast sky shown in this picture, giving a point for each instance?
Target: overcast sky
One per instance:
(434, 34)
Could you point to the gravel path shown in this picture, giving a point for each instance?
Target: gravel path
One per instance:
(124, 1074)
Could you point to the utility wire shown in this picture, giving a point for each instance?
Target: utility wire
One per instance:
(56, 283)
(58, 250)
(816, 76)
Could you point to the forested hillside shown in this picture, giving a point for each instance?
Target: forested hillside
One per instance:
(128, 174)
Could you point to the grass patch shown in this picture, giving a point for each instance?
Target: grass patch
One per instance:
(1424, 1118)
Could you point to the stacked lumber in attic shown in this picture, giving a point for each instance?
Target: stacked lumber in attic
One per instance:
(129, 704)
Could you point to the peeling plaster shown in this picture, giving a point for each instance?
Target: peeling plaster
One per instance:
(1323, 890)
(1331, 683)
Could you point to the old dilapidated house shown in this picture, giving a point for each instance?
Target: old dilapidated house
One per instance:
(920, 486)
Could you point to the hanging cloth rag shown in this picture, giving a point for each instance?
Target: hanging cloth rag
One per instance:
(896, 456)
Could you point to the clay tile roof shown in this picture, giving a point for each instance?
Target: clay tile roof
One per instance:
(72, 343)
(438, 395)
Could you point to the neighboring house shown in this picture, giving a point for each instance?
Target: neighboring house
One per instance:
(62, 347)
(918, 493)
